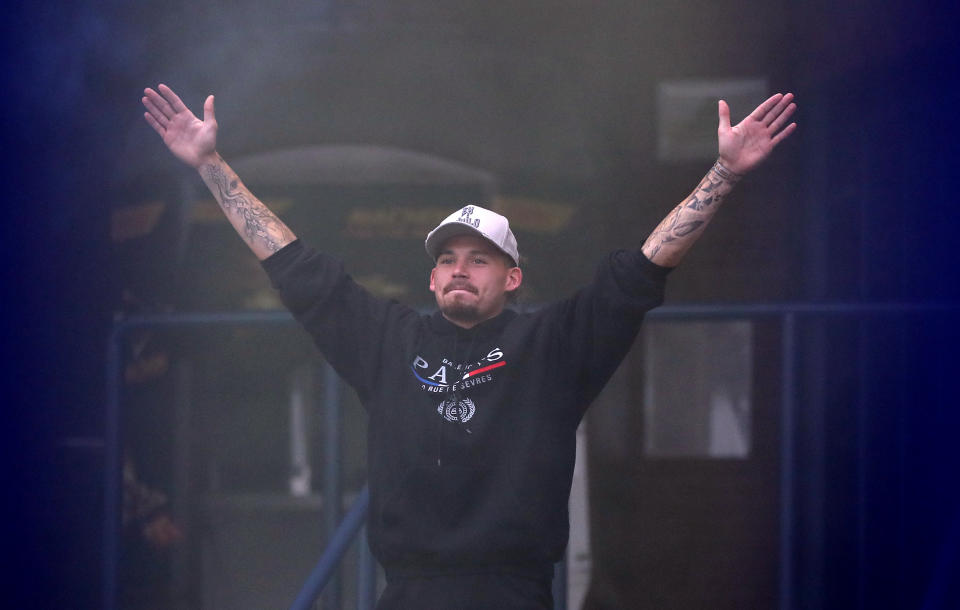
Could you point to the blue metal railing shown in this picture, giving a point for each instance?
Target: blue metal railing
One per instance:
(787, 313)
(336, 549)
(113, 458)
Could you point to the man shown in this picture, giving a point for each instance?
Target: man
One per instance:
(472, 410)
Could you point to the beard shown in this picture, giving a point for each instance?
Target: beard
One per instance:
(462, 312)
(456, 308)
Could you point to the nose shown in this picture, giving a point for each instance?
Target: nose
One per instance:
(460, 268)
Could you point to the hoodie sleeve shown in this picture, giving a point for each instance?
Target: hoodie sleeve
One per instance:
(599, 323)
(634, 279)
(347, 323)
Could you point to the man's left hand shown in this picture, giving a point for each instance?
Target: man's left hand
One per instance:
(747, 144)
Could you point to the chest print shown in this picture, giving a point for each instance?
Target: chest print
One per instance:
(443, 376)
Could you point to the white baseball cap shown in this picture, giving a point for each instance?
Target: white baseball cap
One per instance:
(474, 220)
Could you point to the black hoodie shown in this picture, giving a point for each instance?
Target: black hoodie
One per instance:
(471, 440)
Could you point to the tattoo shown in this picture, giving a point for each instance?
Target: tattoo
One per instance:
(686, 228)
(725, 173)
(258, 224)
(677, 232)
(695, 203)
(706, 195)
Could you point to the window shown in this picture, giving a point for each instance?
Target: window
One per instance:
(697, 390)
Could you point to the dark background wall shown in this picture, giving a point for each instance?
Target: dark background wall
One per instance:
(557, 99)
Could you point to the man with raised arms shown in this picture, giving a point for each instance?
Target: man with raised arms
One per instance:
(473, 409)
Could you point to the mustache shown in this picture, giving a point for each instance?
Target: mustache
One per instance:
(459, 286)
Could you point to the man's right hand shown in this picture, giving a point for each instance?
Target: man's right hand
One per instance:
(191, 140)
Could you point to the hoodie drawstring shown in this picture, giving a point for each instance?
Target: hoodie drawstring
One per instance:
(459, 368)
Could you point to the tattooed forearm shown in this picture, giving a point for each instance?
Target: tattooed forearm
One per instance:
(668, 243)
(260, 228)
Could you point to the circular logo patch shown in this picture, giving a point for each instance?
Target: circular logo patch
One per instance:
(457, 410)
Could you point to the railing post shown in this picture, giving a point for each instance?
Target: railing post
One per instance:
(560, 585)
(366, 574)
(112, 472)
(787, 457)
(331, 470)
(181, 493)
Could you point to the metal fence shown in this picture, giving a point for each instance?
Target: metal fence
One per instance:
(788, 315)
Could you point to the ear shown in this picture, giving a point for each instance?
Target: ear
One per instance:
(514, 279)
(433, 284)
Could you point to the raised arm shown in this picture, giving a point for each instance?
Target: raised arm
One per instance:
(741, 149)
(195, 143)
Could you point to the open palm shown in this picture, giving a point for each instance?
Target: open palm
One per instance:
(188, 138)
(747, 144)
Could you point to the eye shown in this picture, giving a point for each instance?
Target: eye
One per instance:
(480, 261)
(445, 260)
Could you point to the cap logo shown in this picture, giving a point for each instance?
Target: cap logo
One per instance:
(465, 217)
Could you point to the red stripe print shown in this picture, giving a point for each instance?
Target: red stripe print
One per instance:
(483, 370)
